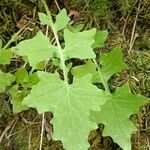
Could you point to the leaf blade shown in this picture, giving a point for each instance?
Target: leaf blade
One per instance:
(45, 19)
(61, 20)
(37, 49)
(112, 63)
(67, 104)
(100, 38)
(5, 80)
(5, 56)
(115, 113)
(17, 98)
(79, 44)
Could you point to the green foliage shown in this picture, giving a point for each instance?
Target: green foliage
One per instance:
(78, 106)
(17, 98)
(115, 114)
(38, 45)
(45, 19)
(22, 76)
(5, 80)
(5, 55)
(25, 81)
(68, 103)
(78, 44)
(88, 68)
(111, 63)
(100, 38)
(61, 20)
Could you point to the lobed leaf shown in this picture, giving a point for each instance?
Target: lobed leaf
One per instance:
(111, 63)
(79, 44)
(61, 20)
(37, 49)
(70, 105)
(45, 19)
(115, 114)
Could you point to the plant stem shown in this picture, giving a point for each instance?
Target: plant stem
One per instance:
(42, 131)
(62, 60)
(61, 56)
(103, 80)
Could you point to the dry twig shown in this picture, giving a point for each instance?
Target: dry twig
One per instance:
(133, 35)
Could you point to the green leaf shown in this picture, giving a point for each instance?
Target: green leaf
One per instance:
(34, 78)
(5, 56)
(37, 49)
(111, 63)
(22, 76)
(100, 38)
(78, 44)
(56, 62)
(70, 105)
(82, 70)
(27, 80)
(78, 27)
(45, 19)
(17, 98)
(115, 113)
(88, 68)
(61, 20)
(5, 80)
(40, 65)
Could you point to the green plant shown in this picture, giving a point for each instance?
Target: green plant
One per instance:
(78, 105)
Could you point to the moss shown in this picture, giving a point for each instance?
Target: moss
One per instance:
(10, 13)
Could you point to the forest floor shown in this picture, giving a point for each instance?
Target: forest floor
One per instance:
(128, 24)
